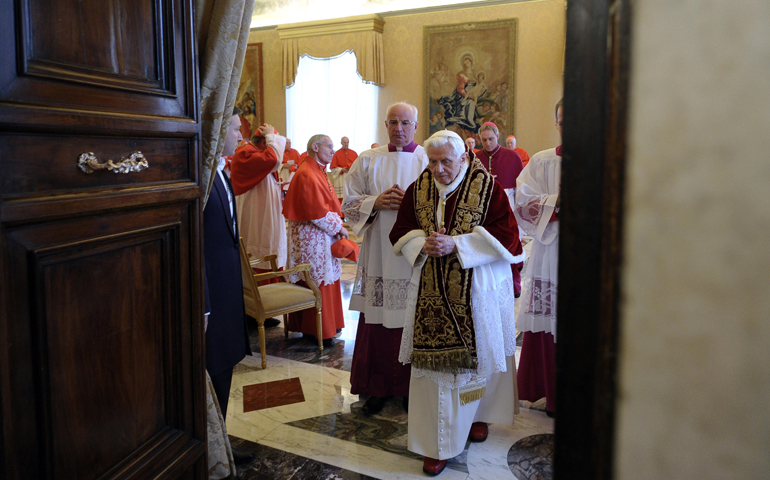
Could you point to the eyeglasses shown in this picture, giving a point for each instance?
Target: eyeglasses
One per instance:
(404, 123)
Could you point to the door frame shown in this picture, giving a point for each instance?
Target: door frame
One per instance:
(597, 59)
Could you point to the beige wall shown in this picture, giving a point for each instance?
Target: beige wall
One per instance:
(538, 78)
(694, 399)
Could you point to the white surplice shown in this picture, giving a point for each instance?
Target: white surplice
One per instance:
(382, 279)
(537, 191)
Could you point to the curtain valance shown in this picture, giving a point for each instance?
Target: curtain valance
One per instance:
(328, 38)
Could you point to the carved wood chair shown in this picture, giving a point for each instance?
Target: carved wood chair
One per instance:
(282, 298)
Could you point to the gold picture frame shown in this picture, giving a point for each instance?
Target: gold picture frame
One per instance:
(250, 96)
(470, 76)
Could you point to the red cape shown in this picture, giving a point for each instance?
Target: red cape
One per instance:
(250, 166)
(343, 158)
(311, 195)
(523, 154)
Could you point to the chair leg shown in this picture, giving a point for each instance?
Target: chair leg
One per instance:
(285, 326)
(262, 343)
(320, 331)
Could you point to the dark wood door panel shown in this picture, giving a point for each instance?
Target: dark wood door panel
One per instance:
(105, 358)
(75, 38)
(105, 55)
(43, 165)
(100, 362)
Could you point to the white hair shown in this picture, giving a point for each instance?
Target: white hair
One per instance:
(314, 140)
(444, 137)
(411, 107)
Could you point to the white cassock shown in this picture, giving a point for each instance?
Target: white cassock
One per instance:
(438, 422)
(537, 191)
(382, 279)
(260, 213)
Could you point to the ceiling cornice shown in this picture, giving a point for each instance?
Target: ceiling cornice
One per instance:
(360, 23)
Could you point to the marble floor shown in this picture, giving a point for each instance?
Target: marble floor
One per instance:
(300, 418)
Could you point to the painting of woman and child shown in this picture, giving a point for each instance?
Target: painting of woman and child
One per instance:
(469, 77)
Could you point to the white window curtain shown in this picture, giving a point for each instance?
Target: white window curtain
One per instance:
(329, 97)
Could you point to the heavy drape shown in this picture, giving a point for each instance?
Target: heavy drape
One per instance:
(222, 30)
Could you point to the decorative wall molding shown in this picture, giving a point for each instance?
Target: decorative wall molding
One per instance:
(360, 23)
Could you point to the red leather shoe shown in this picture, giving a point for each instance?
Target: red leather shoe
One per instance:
(479, 431)
(433, 467)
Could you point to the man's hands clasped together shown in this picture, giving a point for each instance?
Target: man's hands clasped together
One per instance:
(438, 244)
(390, 199)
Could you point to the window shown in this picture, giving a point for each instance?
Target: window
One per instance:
(329, 97)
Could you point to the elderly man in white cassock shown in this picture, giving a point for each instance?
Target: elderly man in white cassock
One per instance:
(456, 228)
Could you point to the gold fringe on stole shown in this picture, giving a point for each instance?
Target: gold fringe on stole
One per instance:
(455, 360)
(472, 391)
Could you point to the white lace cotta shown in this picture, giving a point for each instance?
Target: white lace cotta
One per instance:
(537, 191)
(311, 243)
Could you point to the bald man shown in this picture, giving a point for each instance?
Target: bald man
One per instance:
(373, 192)
(340, 166)
(510, 142)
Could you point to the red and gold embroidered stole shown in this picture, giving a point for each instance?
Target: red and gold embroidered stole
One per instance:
(444, 337)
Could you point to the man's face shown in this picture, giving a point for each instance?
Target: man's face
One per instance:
(345, 142)
(559, 118)
(510, 142)
(443, 163)
(401, 124)
(261, 144)
(233, 136)
(324, 150)
(489, 140)
(288, 143)
(471, 143)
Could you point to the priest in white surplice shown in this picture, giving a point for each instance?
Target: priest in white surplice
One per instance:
(538, 200)
(456, 227)
(373, 191)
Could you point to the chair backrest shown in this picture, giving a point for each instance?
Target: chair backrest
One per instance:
(251, 297)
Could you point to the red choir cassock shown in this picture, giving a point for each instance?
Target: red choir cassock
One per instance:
(308, 205)
(343, 158)
(505, 166)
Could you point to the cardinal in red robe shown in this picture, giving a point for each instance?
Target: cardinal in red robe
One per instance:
(315, 223)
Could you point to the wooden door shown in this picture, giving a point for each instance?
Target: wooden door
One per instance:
(101, 338)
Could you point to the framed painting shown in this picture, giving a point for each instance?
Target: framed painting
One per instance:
(250, 91)
(469, 77)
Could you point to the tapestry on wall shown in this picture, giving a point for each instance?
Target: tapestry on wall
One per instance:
(249, 98)
(469, 77)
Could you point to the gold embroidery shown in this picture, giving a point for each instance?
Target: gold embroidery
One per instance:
(455, 288)
(444, 337)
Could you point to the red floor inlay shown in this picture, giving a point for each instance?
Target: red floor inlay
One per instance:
(272, 394)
